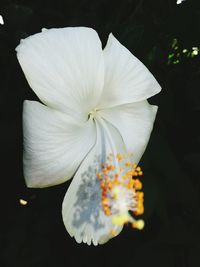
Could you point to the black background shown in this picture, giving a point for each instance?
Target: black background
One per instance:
(34, 235)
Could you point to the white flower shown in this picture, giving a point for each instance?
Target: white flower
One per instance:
(94, 105)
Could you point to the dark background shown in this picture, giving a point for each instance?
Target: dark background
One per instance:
(163, 35)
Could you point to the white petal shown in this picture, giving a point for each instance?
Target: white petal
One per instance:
(134, 122)
(64, 67)
(82, 212)
(127, 80)
(54, 144)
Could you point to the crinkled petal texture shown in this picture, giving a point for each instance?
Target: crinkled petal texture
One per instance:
(126, 79)
(134, 122)
(65, 68)
(54, 144)
(82, 213)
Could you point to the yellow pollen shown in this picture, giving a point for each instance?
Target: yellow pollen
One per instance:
(110, 168)
(116, 176)
(120, 169)
(124, 176)
(120, 219)
(138, 184)
(128, 164)
(115, 192)
(130, 184)
(138, 224)
(119, 157)
(114, 180)
(113, 233)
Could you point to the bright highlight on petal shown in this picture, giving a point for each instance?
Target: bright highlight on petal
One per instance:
(94, 124)
(178, 2)
(1, 20)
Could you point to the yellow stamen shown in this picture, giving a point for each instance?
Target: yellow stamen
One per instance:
(138, 224)
(138, 184)
(120, 219)
(118, 186)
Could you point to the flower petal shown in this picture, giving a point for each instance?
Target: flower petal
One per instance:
(65, 68)
(82, 212)
(54, 144)
(127, 80)
(134, 122)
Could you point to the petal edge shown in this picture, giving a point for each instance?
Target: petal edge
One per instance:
(127, 80)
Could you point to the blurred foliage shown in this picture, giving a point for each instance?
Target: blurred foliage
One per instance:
(166, 37)
(178, 53)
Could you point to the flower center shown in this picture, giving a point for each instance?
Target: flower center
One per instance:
(92, 114)
(121, 191)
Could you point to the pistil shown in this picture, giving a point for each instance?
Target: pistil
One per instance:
(121, 191)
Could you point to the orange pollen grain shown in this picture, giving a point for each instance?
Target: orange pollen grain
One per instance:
(124, 175)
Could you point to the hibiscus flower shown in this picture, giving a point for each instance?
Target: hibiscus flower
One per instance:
(94, 125)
